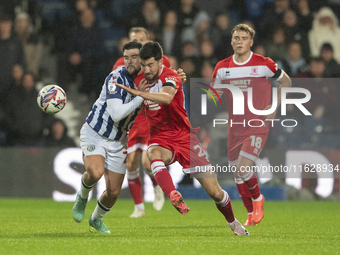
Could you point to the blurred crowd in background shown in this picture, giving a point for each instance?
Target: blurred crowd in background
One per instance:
(74, 43)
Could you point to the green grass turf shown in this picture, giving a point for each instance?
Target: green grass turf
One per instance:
(34, 226)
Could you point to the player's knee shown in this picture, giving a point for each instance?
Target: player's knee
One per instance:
(113, 193)
(131, 163)
(95, 173)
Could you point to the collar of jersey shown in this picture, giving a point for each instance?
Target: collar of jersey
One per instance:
(243, 63)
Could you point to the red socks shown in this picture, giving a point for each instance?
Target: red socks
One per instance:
(250, 179)
(225, 208)
(135, 186)
(162, 176)
(245, 196)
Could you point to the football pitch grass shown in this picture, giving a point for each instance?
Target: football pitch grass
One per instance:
(41, 226)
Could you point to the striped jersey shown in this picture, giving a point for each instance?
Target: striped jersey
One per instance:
(99, 118)
(252, 73)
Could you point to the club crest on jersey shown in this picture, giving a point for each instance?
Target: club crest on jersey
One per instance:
(254, 71)
(91, 148)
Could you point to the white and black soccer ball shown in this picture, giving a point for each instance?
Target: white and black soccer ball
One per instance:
(51, 99)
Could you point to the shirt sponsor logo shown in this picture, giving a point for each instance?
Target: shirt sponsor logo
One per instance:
(152, 105)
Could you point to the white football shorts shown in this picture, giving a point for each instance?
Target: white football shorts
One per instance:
(114, 152)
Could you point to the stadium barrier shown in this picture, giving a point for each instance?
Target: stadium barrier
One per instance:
(34, 172)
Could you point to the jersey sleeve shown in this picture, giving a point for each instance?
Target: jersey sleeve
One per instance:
(172, 81)
(277, 73)
(112, 91)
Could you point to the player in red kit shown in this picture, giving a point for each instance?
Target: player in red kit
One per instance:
(138, 142)
(244, 70)
(172, 138)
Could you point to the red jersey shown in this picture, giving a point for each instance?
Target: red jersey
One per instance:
(166, 120)
(253, 74)
(139, 133)
(120, 62)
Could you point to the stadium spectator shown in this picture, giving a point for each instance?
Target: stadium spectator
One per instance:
(149, 16)
(325, 30)
(57, 135)
(25, 127)
(11, 53)
(32, 43)
(276, 47)
(246, 142)
(220, 35)
(169, 140)
(293, 61)
(332, 69)
(260, 49)
(324, 102)
(192, 22)
(304, 15)
(17, 75)
(104, 139)
(86, 50)
(207, 54)
(61, 37)
(170, 34)
(272, 17)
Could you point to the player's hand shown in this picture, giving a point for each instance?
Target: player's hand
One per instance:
(143, 85)
(269, 116)
(131, 91)
(181, 74)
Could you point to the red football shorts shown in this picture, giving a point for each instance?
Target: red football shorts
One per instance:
(248, 146)
(139, 134)
(186, 149)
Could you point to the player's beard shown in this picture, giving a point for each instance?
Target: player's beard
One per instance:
(152, 77)
(134, 71)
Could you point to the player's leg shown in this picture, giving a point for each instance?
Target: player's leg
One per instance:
(135, 183)
(211, 186)
(93, 157)
(94, 170)
(158, 202)
(246, 198)
(244, 171)
(114, 173)
(106, 201)
(159, 156)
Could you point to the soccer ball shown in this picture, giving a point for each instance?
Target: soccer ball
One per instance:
(51, 99)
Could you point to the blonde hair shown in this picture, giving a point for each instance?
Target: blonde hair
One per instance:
(244, 27)
(138, 30)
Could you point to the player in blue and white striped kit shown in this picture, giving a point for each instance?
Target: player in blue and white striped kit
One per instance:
(104, 138)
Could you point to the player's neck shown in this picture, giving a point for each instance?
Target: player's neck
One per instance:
(240, 58)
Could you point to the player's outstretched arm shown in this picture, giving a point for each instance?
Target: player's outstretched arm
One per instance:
(164, 96)
(118, 110)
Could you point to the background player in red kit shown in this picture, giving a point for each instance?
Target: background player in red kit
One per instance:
(245, 69)
(171, 135)
(138, 142)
